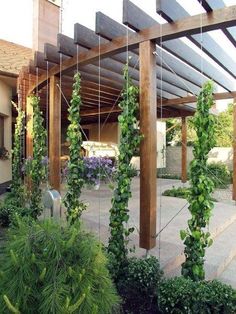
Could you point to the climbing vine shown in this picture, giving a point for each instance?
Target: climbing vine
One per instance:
(196, 239)
(129, 142)
(75, 179)
(37, 168)
(17, 190)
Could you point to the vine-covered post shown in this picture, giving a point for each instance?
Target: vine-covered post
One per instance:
(234, 152)
(17, 182)
(37, 167)
(184, 150)
(75, 179)
(129, 142)
(196, 239)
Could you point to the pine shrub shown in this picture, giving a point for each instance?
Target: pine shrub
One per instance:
(50, 268)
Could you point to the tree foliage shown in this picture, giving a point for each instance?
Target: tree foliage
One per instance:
(129, 142)
(196, 239)
(17, 191)
(223, 129)
(75, 180)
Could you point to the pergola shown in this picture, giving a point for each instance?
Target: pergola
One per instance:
(167, 70)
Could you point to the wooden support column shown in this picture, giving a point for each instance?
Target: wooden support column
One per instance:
(234, 151)
(54, 134)
(184, 150)
(148, 148)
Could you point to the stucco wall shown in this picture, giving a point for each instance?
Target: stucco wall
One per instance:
(109, 132)
(5, 110)
(217, 154)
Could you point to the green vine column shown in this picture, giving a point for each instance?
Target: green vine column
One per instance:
(37, 171)
(196, 239)
(75, 179)
(129, 143)
(17, 190)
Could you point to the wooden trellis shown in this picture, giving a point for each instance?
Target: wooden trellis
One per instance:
(155, 74)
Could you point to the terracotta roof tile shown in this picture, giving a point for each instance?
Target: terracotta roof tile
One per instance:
(13, 57)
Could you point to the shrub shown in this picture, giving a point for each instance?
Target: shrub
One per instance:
(177, 192)
(167, 175)
(181, 193)
(138, 285)
(219, 174)
(182, 295)
(50, 268)
(10, 206)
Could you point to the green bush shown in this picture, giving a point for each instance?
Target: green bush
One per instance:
(50, 268)
(10, 206)
(182, 295)
(167, 175)
(180, 192)
(177, 192)
(138, 285)
(219, 174)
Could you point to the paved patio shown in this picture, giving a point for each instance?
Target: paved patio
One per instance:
(169, 249)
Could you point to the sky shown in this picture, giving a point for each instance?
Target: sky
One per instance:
(16, 16)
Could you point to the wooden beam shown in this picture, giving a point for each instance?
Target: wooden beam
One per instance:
(188, 26)
(184, 150)
(52, 54)
(148, 148)
(171, 10)
(234, 151)
(67, 46)
(54, 134)
(192, 99)
(105, 110)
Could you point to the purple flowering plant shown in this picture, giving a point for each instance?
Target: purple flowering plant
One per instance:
(96, 169)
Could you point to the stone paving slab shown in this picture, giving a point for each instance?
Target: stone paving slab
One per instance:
(169, 247)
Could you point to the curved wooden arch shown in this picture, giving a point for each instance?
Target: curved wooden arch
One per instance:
(188, 26)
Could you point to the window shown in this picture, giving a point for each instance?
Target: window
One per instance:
(1, 131)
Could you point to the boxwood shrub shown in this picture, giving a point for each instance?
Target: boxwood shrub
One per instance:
(181, 295)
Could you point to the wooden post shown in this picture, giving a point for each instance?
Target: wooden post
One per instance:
(184, 150)
(54, 134)
(234, 151)
(29, 128)
(148, 148)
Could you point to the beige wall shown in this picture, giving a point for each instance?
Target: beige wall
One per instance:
(109, 133)
(217, 154)
(5, 110)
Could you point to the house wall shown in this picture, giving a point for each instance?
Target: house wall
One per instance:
(5, 110)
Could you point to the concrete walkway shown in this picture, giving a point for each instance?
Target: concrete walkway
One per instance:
(220, 256)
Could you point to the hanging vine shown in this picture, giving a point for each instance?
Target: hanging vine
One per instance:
(195, 238)
(75, 179)
(37, 168)
(17, 190)
(129, 142)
